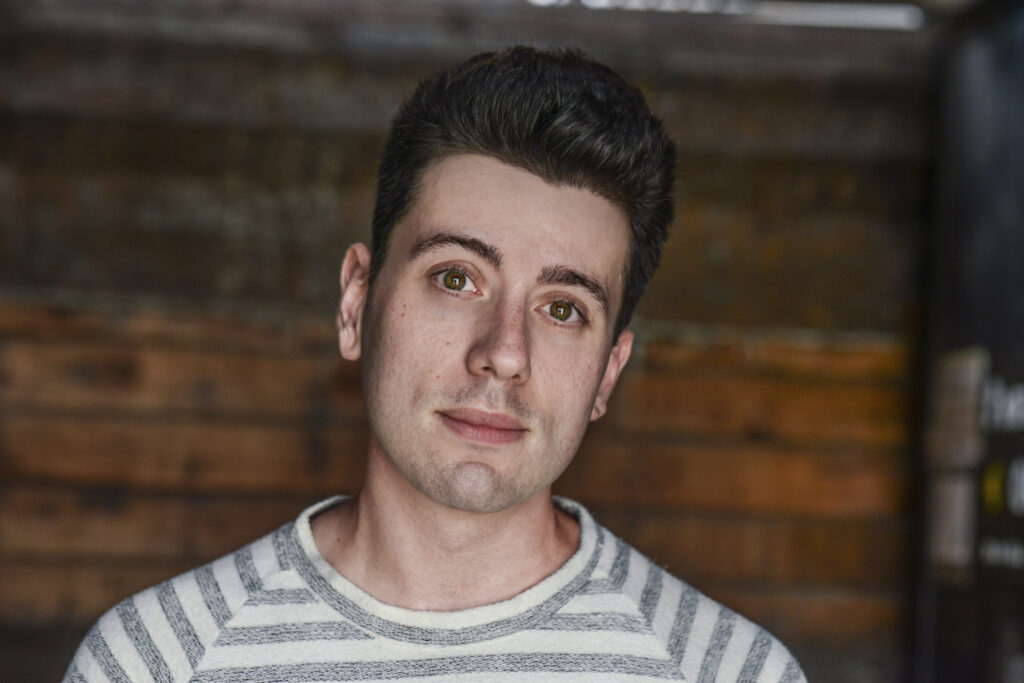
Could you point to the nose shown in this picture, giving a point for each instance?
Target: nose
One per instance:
(502, 348)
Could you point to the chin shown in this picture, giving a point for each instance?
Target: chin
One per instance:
(476, 487)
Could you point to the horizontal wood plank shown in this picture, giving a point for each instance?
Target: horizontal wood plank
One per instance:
(267, 329)
(780, 186)
(184, 455)
(751, 549)
(150, 152)
(697, 349)
(745, 478)
(747, 266)
(66, 524)
(110, 377)
(760, 408)
(824, 618)
(71, 592)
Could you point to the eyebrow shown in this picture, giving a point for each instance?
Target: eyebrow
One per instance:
(443, 239)
(570, 277)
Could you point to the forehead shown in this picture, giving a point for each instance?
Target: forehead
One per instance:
(532, 222)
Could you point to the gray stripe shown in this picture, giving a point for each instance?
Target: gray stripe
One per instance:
(180, 623)
(436, 636)
(104, 657)
(280, 539)
(212, 595)
(595, 621)
(287, 633)
(247, 571)
(596, 587)
(616, 574)
(143, 642)
(283, 596)
(535, 663)
(792, 673)
(755, 657)
(716, 648)
(651, 593)
(73, 675)
(620, 566)
(685, 613)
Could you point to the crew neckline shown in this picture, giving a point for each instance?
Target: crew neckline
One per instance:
(451, 627)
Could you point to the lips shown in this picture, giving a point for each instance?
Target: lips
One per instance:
(482, 426)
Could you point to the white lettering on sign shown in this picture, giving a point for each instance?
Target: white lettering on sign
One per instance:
(1002, 552)
(1002, 406)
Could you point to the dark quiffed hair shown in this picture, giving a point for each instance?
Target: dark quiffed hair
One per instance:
(558, 115)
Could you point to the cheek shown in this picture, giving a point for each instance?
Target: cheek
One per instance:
(568, 392)
(406, 346)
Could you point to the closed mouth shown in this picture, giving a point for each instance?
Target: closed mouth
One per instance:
(483, 426)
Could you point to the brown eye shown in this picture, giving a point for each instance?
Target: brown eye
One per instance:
(560, 310)
(453, 279)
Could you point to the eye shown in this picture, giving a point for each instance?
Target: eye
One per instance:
(455, 279)
(563, 311)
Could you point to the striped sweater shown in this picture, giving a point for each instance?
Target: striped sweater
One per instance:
(277, 611)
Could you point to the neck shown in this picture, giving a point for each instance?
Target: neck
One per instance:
(406, 550)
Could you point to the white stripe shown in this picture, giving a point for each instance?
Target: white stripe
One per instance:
(284, 580)
(636, 578)
(607, 558)
(735, 655)
(88, 666)
(700, 635)
(264, 559)
(151, 614)
(597, 603)
(226, 574)
(668, 602)
(194, 606)
(123, 649)
(775, 663)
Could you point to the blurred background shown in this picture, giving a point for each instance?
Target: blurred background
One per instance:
(820, 425)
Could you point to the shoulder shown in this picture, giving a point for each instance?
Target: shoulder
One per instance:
(163, 631)
(708, 641)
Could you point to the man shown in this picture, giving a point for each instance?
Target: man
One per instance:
(522, 204)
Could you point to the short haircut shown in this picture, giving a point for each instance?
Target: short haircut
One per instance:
(558, 115)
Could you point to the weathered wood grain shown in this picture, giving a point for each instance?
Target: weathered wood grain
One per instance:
(184, 455)
(881, 360)
(47, 592)
(756, 549)
(761, 408)
(267, 330)
(51, 375)
(646, 472)
(822, 618)
(120, 526)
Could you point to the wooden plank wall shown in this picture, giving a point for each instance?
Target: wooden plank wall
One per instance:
(176, 190)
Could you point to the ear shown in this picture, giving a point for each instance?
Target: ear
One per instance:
(616, 362)
(355, 283)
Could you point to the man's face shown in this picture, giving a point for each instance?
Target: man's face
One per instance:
(487, 338)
